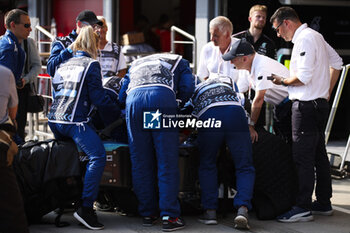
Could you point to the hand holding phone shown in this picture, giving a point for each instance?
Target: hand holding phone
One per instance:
(276, 79)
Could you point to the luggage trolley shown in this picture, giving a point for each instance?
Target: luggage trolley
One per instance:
(338, 168)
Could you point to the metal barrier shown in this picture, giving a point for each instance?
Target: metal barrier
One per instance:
(332, 116)
(193, 41)
(41, 42)
(336, 101)
(37, 122)
(341, 168)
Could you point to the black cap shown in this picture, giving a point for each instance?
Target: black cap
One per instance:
(239, 48)
(90, 17)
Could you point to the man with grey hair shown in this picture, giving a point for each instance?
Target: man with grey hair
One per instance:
(211, 64)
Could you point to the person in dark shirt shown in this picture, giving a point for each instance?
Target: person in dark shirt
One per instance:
(262, 44)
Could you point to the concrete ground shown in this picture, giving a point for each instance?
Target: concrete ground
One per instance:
(338, 223)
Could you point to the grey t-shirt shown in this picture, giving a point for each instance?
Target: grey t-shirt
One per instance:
(8, 93)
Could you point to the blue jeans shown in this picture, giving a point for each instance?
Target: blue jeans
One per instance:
(87, 139)
(235, 133)
(154, 153)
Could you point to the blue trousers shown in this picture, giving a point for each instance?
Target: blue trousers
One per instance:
(153, 153)
(87, 139)
(235, 133)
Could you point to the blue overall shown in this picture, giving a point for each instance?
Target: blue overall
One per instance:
(87, 139)
(60, 52)
(78, 129)
(217, 99)
(235, 133)
(154, 152)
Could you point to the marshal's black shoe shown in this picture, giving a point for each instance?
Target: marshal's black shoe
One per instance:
(149, 221)
(87, 216)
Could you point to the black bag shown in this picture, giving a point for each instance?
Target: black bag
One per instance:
(49, 177)
(35, 102)
(275, 186)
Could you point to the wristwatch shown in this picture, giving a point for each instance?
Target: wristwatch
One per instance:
(251, 123)
(283, 84)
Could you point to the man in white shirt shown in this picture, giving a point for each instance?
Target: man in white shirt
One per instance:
(260, 67)
(314, 70)
(210, 62)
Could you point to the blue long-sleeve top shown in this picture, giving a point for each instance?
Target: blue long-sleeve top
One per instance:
(184, 83)
(11, 54)
(60, 52)
(93, 92)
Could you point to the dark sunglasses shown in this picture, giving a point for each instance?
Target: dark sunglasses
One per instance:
(276, 29)
(26, 25)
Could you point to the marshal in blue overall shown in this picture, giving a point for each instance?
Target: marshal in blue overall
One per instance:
(153, 85)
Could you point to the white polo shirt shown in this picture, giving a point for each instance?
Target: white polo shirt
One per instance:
(263, 66)
(110, 63)
(211, 63)
(311, 59)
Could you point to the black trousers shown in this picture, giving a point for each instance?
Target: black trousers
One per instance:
(282, 121)
(309, 120)
(21, 117)
(12, 216)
